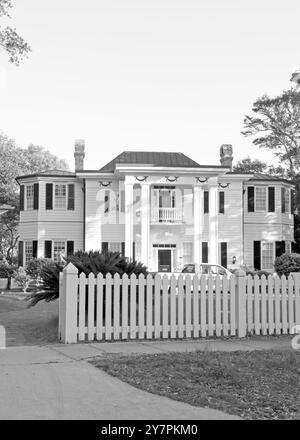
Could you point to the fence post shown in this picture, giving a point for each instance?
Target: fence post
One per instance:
(240, 301)
(68, 304)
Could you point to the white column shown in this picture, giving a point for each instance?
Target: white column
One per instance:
(145, 222)
(213, 222)
(198, 223)
(128, 219)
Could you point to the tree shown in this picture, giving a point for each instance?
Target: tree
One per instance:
(275, 126)
(15, 161)
(10, 40)
(247, 165)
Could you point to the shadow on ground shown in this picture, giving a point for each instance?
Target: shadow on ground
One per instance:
(28, 326)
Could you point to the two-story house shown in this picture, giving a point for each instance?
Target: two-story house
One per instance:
(161, 208)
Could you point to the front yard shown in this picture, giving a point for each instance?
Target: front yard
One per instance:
(252, 385)
(28, 326)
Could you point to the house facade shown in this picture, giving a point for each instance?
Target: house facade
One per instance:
(163, 209)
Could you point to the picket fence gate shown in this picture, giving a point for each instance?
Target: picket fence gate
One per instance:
(121, 308)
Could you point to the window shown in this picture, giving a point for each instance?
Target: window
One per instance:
(260, 198)
(288, 247)
(267, 255)
(115, 247)
(60, 200)
(59, 249)
(29, 197)
(187, 252)
(28, 252)
(287, 200)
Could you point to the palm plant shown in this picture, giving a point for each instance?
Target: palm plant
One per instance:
(86, 262)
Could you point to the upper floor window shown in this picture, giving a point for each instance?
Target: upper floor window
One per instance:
(261, 198)
(60, 199)
(285, 200)
(29, 197)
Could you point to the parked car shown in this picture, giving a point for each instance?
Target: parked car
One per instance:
(199, 269)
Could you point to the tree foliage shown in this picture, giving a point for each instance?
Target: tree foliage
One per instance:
(248, 165)
(275, 125)
(10, 41)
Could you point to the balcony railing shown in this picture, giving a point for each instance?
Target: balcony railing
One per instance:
(167, 215)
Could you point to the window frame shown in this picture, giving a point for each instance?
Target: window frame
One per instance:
(53, 247)
(27, 186)
(26, 243)
(60, 208)
(262, 243)
(259, 187)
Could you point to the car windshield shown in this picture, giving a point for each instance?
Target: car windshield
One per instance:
(189, 268)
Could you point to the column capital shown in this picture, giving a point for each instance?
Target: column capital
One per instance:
(213, 181)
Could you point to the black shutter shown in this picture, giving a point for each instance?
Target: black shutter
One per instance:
(104, 246)
(22, 198)
(292, 201)
(206, 202)
(48, 249)
(256, 255)
(204, 252)
(250, 198)
(224, 254)
(282, 200)
(123, 248)
(34, 248)
(271, 199)
(70, 247)
(278, 248)
(49, 196)
(36, 196)
(20, 253)
(283, 246)
(71, 196)
(133, 250)
(221, 202)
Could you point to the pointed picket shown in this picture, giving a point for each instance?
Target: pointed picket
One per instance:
(284, 324)
(291, 303)
(141, 307)
(196, 322)
(271, 324)
(203, 305)
(188, 323)
(91, 306)
(157, 290)
(116, 302)
(149, 312)
(108, 304)
(263, 305)
(133, 296)
(180, 305)
(99, 311)
(173, 296)
(81, 326)
(125, 284)
(225, 305)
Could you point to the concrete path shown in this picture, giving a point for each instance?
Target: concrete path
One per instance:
(57, 382)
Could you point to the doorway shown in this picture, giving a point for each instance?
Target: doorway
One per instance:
(164, 260)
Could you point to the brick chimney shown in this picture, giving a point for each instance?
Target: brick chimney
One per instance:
(226, 157)
(79, 154)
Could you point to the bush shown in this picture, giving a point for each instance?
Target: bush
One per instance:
(6, 271)
(86, 262)
(287, 263)
(34, 267)
(21, 278)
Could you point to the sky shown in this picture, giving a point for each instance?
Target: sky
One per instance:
(159, 75)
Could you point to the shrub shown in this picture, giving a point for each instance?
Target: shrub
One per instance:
(86, 262)
(6, 271)
(34, 267)
(287, 263)
(21, 278)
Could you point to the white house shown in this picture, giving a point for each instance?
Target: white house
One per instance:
(163, 209)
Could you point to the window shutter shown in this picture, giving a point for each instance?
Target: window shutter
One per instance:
(221, 202)
(283, 200)
(133, 250)
(204, 252)
(123, 248)
(48, 249)
(278, 250)
(104, 246)
(256, 255)
(49, 196)
(70, 247)
(34, 248)
(36, 196)
(20, 253)
(283, 247)
(22, 194)
(224, 254)
(271, 199)
(250, 198)
(292, 201)
(71, 196)
(206, 202)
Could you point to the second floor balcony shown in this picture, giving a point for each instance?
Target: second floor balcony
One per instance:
(167, 215)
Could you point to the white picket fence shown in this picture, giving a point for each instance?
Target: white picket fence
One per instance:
(113, 308)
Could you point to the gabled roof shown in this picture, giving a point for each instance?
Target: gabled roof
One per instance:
(262, 177)
(154, 158)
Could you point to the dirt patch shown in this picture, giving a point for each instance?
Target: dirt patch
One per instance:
(28, 326)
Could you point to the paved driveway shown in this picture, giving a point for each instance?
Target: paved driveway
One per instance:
(28, 326)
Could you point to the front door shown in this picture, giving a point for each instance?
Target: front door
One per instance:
(164, 260)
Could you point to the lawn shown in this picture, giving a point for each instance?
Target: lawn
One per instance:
(252, 385)
(36, 325)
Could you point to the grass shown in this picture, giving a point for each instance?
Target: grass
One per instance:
(28, 326)
(252, 385)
